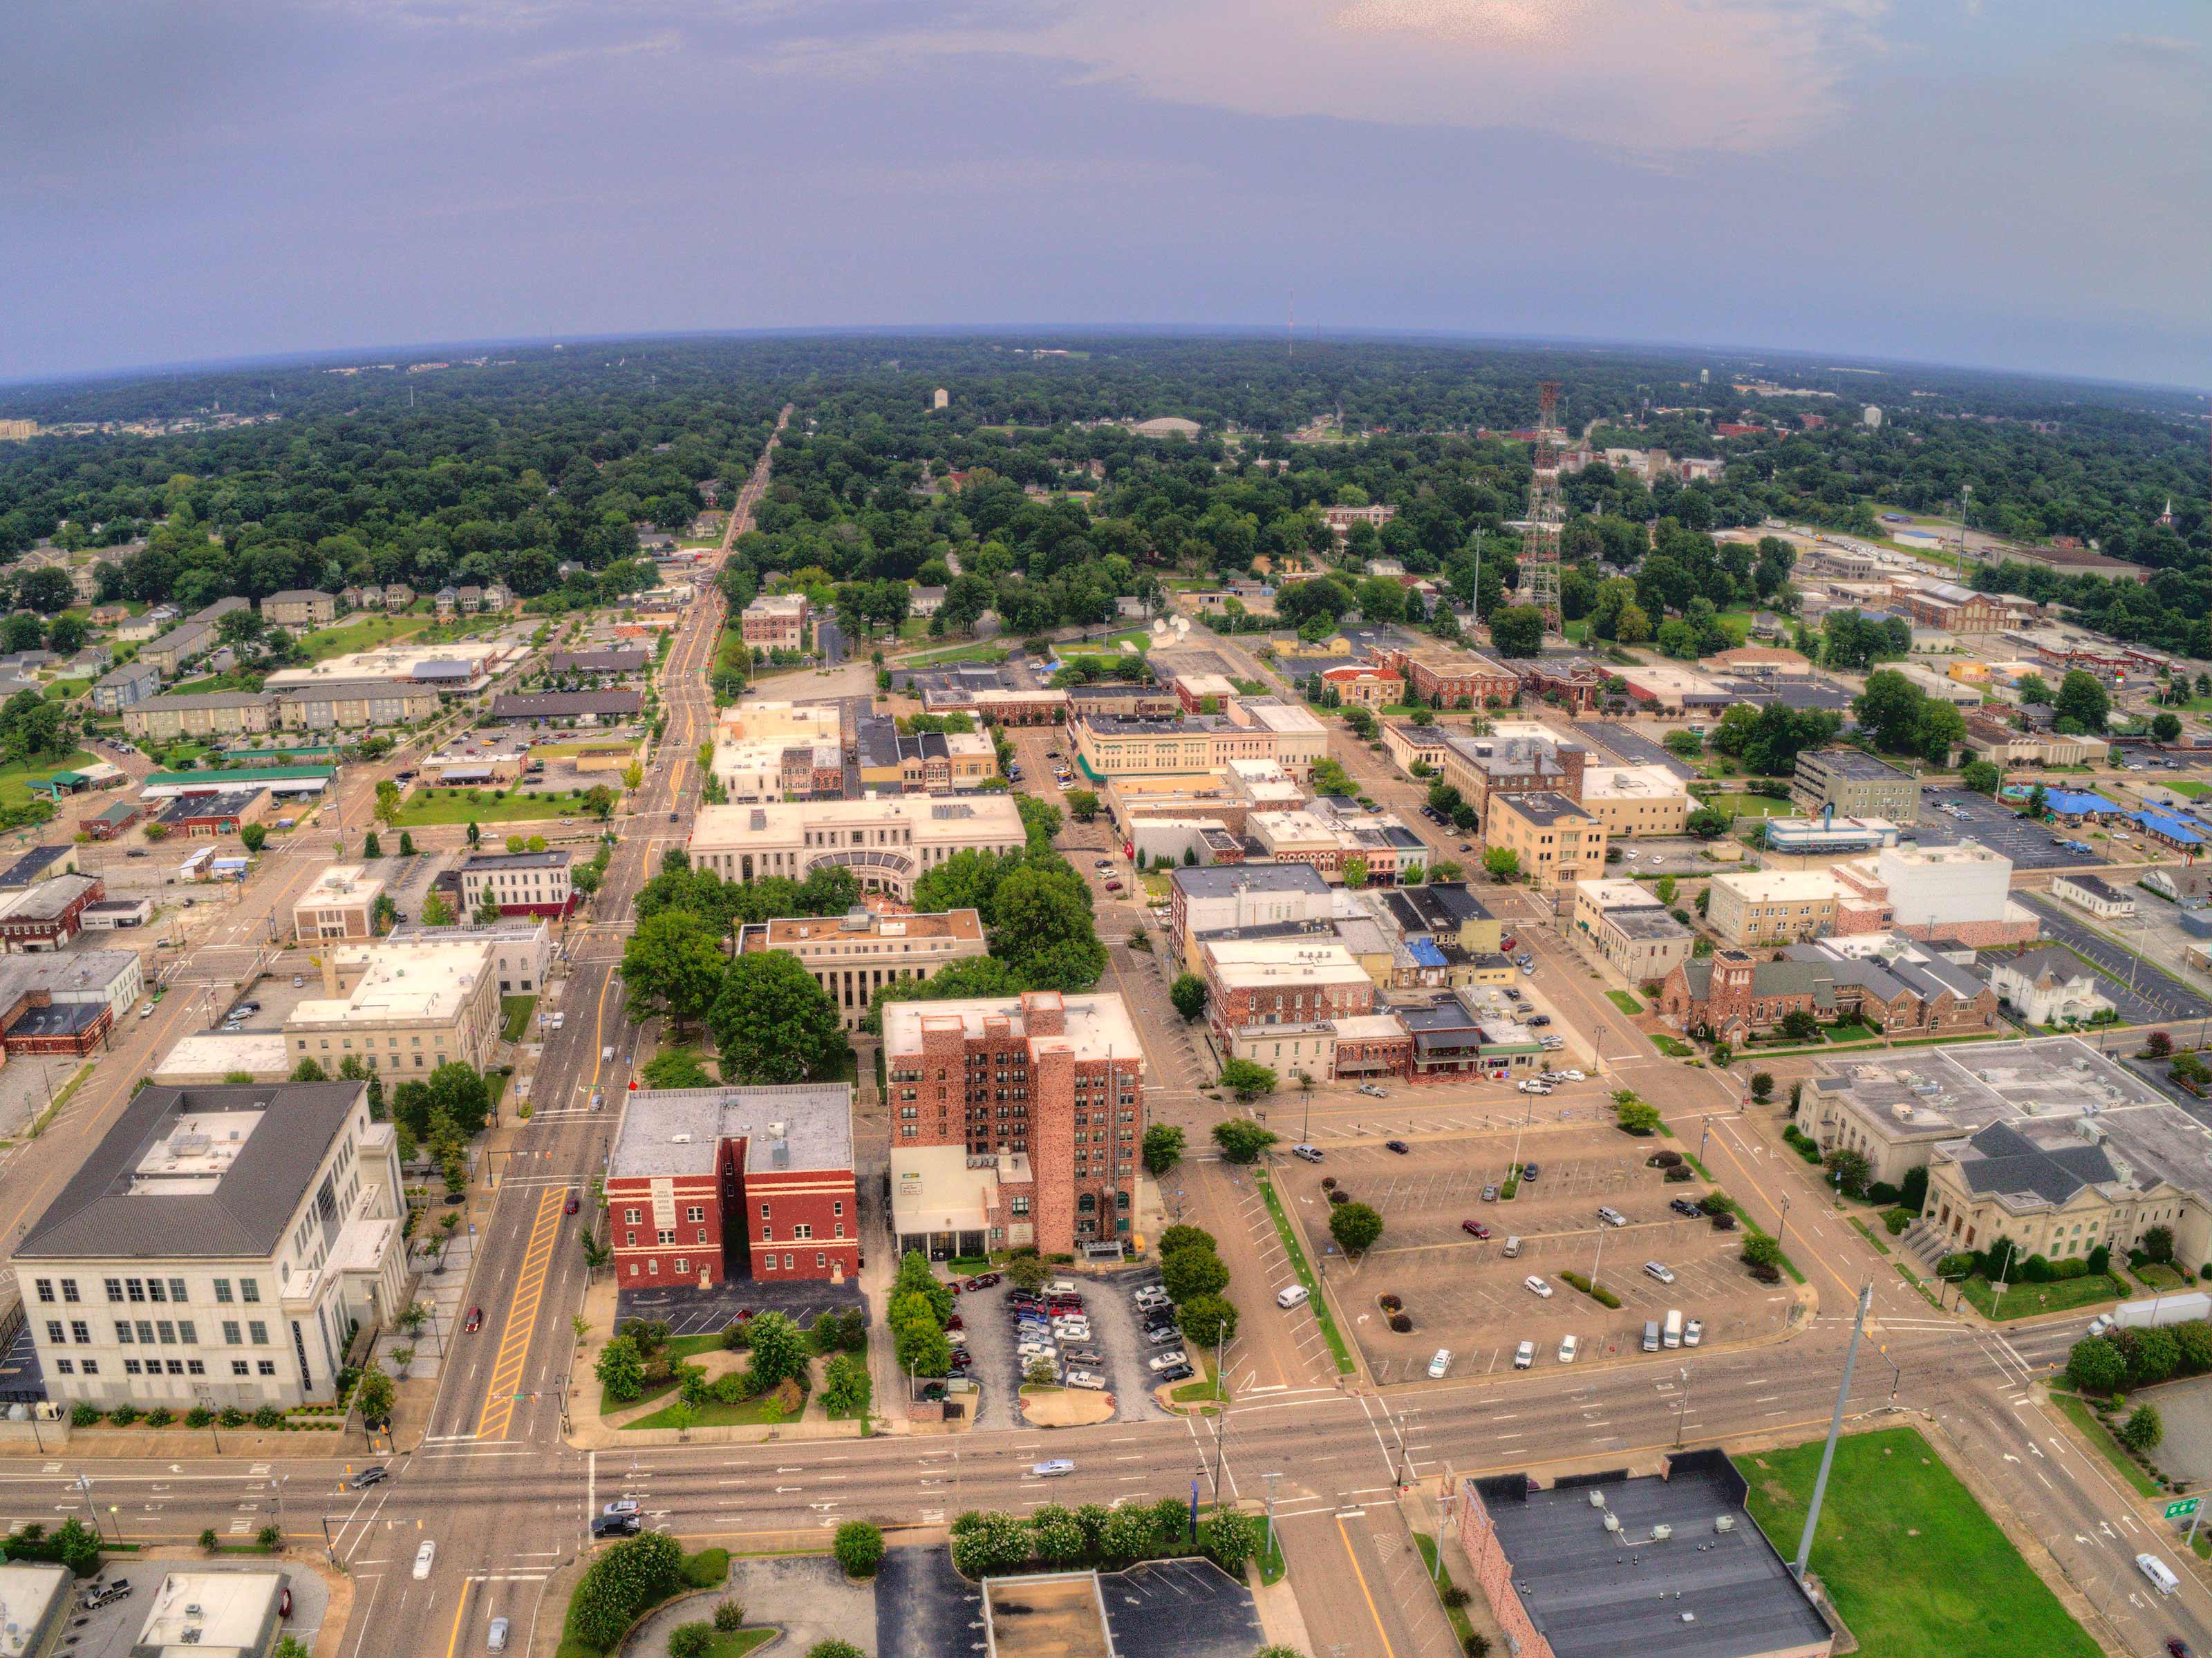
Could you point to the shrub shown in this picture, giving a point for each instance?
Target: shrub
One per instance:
(1664, 1160)
(1232, 1538)
(124, 1415)
(1402, 1322)
(160, 1416)
(1339, 1196)
(635, 1574)
(198, 1416)
(835, 1650)
(231, 1416)
(1389, 1303)
(2142, 1429)
(206, 1540)
(691, 1640)
(271, 1538)
(84, 1416)
(1456, 1597)
(1328, 1183)
(728, 1616)
(1766, 1272)
(268, 1417)
(1760, 1250)
(1637, 1118)
(1677, 1175)
(857, 1545)
(2096, 1366)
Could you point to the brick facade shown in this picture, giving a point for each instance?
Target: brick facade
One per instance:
(705, 1229)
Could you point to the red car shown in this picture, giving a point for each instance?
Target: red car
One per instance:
(1475, 1227)
(475, 1319)
(572, 1205)
(981, 1281)
(955, 1323)
(284, 1603)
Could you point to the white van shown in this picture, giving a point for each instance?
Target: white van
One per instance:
(1293, 1297)
(1512, 1248)
(1672, 1335)
(2160, 1575)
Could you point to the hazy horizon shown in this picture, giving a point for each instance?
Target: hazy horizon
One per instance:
(2024, 188)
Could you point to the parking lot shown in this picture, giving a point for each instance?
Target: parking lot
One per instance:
(1465, 1295)
(113, 1631)
(2030, 845)
(988, 1322)
(2154, 996)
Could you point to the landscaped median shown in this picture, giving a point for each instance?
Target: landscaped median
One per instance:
(1316, 1299)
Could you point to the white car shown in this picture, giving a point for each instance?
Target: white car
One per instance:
(1532, 1086)
(1536, 1286)
(423, 1557)
(1571, 1076)
(1524, 1356)
(1052, 1470)
(1168, 1361)
(1567, 1349)
(1090, 1378)
(1693, 1332)
(1659, 1270)
(1439, 1364)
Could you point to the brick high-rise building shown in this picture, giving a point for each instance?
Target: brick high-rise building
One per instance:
(1046, 1096)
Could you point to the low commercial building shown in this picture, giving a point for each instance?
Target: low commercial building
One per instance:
(404, 1006)
(888, 844)
(1480, 767)
(1109, 745)
(212, 813)
(47, 914)
(521, 883)
(200, 714)
(709, 1186)
(1447, 678)
(1826, 836)
(1656, 688)
(230, 1238)
(1624, 922)
(1258, 993)
(1212, 900)
(1772, 906)
(1856, 785)
(1331, 841)
(110, 914)
(1960, 892)
(521, 948)
(341, 904)
(122, 688)
(1408, 745)
(209, 1057)
(1364, 685)
(1636, 801)
(1549, 1563)
(1901, 989)
(567, 707)
(853, 956)
(1298, 735)
(223, 1614)
(597, 664)
(109, 821)
(1556, 841)
(66, 1004)
(35, 1607)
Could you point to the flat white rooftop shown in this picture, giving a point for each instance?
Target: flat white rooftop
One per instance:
(427, 980)
(1097, 1027)
(1262, 964)
(1779, 886)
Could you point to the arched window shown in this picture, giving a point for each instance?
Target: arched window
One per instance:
(1087, 1204)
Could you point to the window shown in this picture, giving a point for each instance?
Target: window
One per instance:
(114, 1288)
(683, 1264)
(193, 1367)
(230, 1332)
(802, 1231)
(763, 1211)
(238, 1367)
(838, 1208)
(787, 1263)
(702, 1236)
(168, 1332)
(257, 1332)
(177, 1290)
(266, 1366)
(697, 1211)
(123, 1332)
(222, 1290)
(652, 1267)
(820, 1259)
(188, 1333)
(131, 1367)
(249, 1288)
(840, 1229)
(631, 1217)
(80, 1332)
(91, 1366)
(46, 1288)
(145, 1332)
(135, 1288)
(54, 1332)
(154, 1291)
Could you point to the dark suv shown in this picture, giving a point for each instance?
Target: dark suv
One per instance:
(616, 1525)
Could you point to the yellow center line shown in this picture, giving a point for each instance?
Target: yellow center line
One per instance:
(522, 1317)
(453, 1643)
(1353, 1555)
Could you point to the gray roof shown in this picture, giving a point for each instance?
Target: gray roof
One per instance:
(336, 690)
(97, 1215)
(1596, 1594)
(210, 699)
(597, 662)
(32, 865)
(129, 673)
(679, 1131)
(1654, 923)
(1542, 806)
(2058, 965)
(1224, 880)
(2095, 885)
(565, 705)
(1855, 764)
(296, 595)
(482, 860)
(2000, 1158)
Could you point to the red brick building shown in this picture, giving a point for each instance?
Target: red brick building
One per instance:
(49, 914)
(1441, 677)
(707, 1186)
(1049, 1089)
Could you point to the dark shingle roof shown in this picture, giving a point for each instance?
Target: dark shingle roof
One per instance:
(98, 1215)
(2007, 1161)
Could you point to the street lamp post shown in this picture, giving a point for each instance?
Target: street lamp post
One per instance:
(1682, 1407)
(1785, 1232)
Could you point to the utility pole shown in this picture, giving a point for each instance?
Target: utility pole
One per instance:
(1269, 1550)
(1682, 1407)
(1220, 1447)
(1835, 1427)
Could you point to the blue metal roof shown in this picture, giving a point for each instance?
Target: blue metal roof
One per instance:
(2172, 828)
(1424, 952)
(2074, 803)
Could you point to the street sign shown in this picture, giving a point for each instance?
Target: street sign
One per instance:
(2182, 1510)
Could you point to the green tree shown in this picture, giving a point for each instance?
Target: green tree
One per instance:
(1241, 1140)
(858, 1547)
(375, 1395)
(844, 1385)
(1187, 1274)
(995, 1543)
(1637, 1117)
(1762, 1086)
(1355, 1226)
(772, 1022)
(1188, 992)
(1055, 1535)
(2143, 1428)
(1083, 804)
(2082, 696)
(620, 1370)
(674, 961)
(1162, 1148)
(1980, 776)
(308, 1071)
(2094, 1365)
(1232, 1540)
(371, 848)
(436, 912)
(1517, 631)
(1207, 1321)
(1850, 1170)
(1760, 1250)
(1355, 872)
(636, 1573)
(692, 1640)
(2165, 728)
(779, 1350)
(1502, 863)
(254, 835)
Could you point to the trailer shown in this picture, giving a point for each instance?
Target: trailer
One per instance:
(2157, 1310)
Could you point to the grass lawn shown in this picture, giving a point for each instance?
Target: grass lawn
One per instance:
(15, 781)
(2027, 1300)
(751, 1412)
(735, 1643)
(2190, 787)
(1916, 1566)
(1442, 1580)
(2077, 1411)
(454, 806)
(2159, 1277)
(1199, 1389)
(1626, 1003)
(515, 1016)
(1751, 805)
(1669, 1046)
(369, 633)
(983, 650)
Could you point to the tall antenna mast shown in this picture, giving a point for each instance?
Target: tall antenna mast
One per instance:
(1540, 533)
(1294, 322)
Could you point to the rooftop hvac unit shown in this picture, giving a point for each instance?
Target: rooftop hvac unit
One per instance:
(1723, 1523)
(1597, 1499)
(1611, 1520)
(1661, 1534)
(679, 1139)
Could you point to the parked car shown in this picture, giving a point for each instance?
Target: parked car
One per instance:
(1537, 1021)
(1398, 1146)
(1659, 1270)
(1306, 1153)
(1474, 1227)
(1440, 1363)
(1537, 1286)
(1528, 1172)
(1094, 1360)
(1567, 1349)
(101, 1594)
(1164, 1361)
(1157, 1333)
(1611, 1216)
(1374, 1092)
(981, 1281)
(1090, 1378)
(1524, 1356)
(1693, 1332)
(1490, 1194)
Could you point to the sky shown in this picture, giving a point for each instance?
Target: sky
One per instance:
(2021, 183)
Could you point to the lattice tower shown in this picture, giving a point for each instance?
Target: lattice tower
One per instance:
(1540, 534)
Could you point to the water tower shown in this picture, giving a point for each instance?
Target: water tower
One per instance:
(1871, 416)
